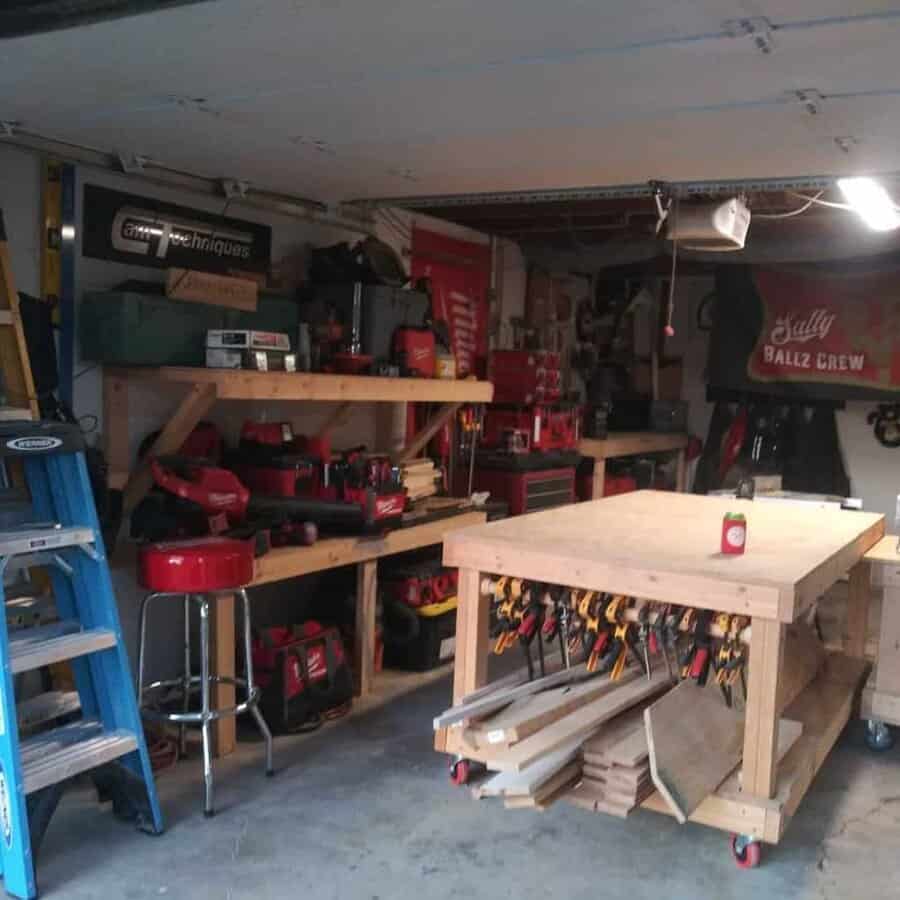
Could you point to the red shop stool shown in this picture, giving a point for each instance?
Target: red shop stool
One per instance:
(199, 571)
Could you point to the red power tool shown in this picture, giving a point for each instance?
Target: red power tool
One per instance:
(197, 499)
(271, 460)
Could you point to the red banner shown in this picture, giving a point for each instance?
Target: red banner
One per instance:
(827, 329)
(460, 275)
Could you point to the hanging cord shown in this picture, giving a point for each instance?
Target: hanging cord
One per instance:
(670, 306)
(794, 212)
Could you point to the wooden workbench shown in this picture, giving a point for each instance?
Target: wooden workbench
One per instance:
(665, 547)
(881, 697)
(198, 389)
(632, 443)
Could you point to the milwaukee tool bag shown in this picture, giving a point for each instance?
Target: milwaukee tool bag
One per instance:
(300, 678)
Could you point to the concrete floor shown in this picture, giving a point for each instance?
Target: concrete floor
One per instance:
(364, 809)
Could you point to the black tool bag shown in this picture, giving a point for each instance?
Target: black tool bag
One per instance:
(301, 678)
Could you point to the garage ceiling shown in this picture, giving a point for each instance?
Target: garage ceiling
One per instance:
(341, 100)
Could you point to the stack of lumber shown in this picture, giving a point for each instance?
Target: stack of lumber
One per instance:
(420, 478)
(533, 737)
(615, 766)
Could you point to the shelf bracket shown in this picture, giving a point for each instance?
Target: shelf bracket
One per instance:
(192, 408)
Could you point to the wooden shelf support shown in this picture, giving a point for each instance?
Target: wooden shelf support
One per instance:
(435, 423)
(191, 410)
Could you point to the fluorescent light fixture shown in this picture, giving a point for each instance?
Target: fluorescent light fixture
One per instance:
(871, 202)
(68, 232)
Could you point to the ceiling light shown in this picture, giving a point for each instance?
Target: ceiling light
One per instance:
(871, 202)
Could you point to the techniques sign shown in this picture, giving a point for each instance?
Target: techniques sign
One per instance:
(143, 231)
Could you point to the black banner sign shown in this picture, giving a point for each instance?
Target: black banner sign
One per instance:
(141, 231)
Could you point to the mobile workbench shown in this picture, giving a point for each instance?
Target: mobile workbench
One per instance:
(665, 547)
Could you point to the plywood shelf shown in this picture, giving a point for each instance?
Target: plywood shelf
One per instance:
(238, 384)
(332, 553)
(631, 443)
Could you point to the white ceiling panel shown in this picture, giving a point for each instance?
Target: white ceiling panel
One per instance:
(335, 100)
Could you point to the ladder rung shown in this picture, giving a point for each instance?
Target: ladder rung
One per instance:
(14, 414)
(56, 755)
(35, 540)
(46, 707)
(32, 648)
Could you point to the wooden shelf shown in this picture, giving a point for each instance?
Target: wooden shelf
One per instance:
(238, 384)
(332, 553)
(631, 443)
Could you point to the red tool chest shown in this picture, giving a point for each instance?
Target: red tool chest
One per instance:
(527, 492)
(544, 426)
(525, 376)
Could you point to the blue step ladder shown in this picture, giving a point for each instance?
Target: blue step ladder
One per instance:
(107, 740)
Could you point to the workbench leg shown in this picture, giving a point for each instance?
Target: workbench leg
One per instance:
(858, 609)
(472, 635)
(364, 632)
(115, 429)
(599, 479)
(221, 611)
(761, 716)
(887, 668)
(681, 472)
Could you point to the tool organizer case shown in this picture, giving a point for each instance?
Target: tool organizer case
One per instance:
(434, 644)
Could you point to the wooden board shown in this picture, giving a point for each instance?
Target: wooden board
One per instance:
(527, 715)
(885, 551)
(579, 723)
(213, 290)
(489, 700)
(630, 443)
(622, 741)
(694, 741)
(563, 778)
(665, 546)
(527, 781)
(331, 553)
(246, 385)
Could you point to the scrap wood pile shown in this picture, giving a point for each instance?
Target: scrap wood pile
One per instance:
(629, 720)
(544, 744)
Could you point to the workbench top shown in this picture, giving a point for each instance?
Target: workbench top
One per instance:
(665, 546)
(885, 551)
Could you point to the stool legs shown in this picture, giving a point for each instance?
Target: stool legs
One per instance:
(207, 715)
(252, 694)
(204, 713)
(186, 681)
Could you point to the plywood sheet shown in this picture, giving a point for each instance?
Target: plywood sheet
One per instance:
(694, 741)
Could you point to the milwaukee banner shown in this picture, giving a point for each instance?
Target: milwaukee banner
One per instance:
(141, 231)
(828, 334)
(460, 274)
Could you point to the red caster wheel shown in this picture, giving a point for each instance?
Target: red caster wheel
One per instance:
(746, 851)
(460, 770)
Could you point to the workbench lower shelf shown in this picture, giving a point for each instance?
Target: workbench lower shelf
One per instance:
(824, 707)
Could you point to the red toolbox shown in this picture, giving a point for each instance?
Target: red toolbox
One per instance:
(528, 491)
(546, 427)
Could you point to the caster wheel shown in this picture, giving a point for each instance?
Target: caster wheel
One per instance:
(879, 736)
(746, 851)
(460, 771)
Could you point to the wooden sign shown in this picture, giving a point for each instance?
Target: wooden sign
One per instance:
(216, 290)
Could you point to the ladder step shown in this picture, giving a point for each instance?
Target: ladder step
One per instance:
(56, 755)
(32, 648)
(34, 540)
(46, 707)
